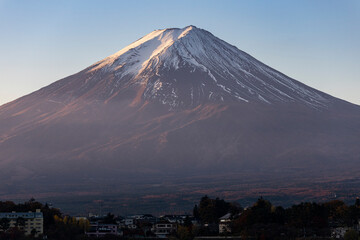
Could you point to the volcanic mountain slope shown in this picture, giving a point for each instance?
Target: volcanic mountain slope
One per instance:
(177, 102)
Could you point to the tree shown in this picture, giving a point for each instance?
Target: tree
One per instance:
(109, 219)
(4, 224)
(351, 235)
(235, 208)
(357, 202)
(207, 210)
(210, 210)
(7, 206)
(196, 212)
(183, 233)
(187, 222)
(84, 224)
(260, 212)
(33, 232)
(20, 222)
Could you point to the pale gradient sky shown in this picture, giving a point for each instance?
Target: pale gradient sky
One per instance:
(315, 42)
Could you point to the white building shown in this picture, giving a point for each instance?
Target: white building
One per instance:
(224, 223)
(164, 228)
(100, 230)
(29, 222)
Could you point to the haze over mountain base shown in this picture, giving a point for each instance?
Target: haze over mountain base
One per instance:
(169, 195)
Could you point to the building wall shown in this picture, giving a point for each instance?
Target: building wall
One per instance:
(32, 220)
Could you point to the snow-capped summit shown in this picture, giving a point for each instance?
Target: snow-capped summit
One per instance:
(190, 66)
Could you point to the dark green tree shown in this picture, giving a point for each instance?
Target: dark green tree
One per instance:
(187, 222)
(20, 222)
(109, 219)
(210, 210)
(4, 224)
(351, 235)
(196, 212)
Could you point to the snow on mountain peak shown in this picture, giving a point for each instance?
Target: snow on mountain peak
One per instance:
(186, 30)
(218, 71)
(142, 50)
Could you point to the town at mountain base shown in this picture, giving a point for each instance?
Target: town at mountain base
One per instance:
(210, 219)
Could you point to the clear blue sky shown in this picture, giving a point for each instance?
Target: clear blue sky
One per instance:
(315, 42)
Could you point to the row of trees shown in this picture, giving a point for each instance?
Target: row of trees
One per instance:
(266, 220)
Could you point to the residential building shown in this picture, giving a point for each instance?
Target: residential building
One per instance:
(180, 219)
(163, 228)
(224, 223)
(29, 222)
(100, 229)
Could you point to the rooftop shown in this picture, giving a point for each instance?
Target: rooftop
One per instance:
(26, 215)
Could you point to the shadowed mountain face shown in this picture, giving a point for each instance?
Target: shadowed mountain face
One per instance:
(175, 104)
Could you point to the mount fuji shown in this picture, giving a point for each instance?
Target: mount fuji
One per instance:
(176, 108)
